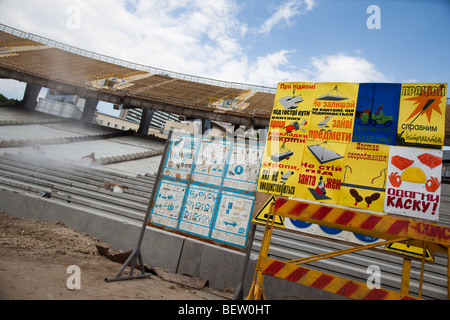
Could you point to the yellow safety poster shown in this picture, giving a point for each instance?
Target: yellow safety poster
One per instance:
(333, 112)
(288, 131)
(364, 176)
(421, 118)
(321, 171)
(366, 146)
(311, 152)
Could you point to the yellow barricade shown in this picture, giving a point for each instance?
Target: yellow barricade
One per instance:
(431, 237)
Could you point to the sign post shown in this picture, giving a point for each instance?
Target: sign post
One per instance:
(136, 253)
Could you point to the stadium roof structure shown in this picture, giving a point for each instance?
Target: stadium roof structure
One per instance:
(47, 63)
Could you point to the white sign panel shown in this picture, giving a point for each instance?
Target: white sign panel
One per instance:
(180, 159)
(168, 203)
(243, 167)
(199, 210)
(210, 162)
(208, 188)
(233, 218)
(414, 182)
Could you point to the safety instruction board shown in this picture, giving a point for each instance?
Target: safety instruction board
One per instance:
(370, 146)
(207, 188)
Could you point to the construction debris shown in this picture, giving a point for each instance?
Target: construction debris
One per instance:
(183, 279)
(120, 256)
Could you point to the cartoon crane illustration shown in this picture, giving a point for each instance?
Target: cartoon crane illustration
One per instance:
(334, 95)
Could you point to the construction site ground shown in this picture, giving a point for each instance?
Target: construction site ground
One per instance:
(35, 256)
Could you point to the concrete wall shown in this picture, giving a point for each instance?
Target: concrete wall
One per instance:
(61, 109)
(115, 122)
(222, 267)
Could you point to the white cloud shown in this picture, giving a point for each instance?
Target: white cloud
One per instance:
(345, 68)
(190, 36)
(411, 81)
(198, 37)
(266, 70)
(273, 68)
(285, 12)
(277, 67)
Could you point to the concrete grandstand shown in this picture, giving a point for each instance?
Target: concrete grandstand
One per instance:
(42, 62)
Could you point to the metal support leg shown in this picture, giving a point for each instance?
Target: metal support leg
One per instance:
(422, 269)
(406, 272)
(136, 254)
(257, 289)
(448, 273)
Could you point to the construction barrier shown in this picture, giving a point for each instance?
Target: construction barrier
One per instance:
(431, 237)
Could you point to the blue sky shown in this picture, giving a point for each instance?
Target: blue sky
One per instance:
(259, 42)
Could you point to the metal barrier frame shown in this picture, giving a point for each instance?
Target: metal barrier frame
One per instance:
(429, 236)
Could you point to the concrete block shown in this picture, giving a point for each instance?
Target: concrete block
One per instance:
(158, 248)
(21, 205)
(222, 267)
(161, 249)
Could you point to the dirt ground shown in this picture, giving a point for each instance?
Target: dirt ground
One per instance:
(34, 261)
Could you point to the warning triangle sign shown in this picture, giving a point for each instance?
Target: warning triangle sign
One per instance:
(408, 250)
(263, 215)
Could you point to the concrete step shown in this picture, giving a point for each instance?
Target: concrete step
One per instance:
(75, 174)
(63, 179)
(74, 200)
(77, 185)
(89, 192)
(108, 203)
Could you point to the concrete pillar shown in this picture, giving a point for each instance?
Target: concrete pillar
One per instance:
(89, 110)
(206, 125)
(146, 118)
(30, 96)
